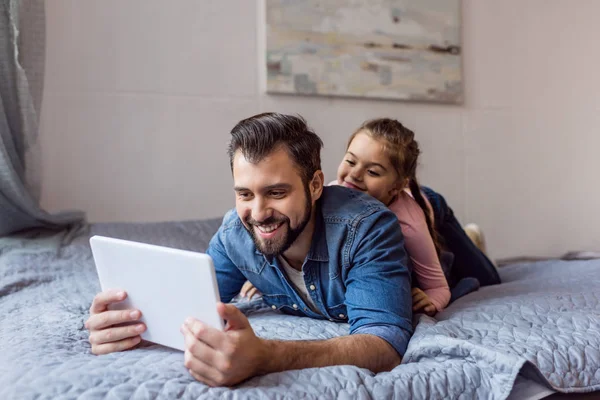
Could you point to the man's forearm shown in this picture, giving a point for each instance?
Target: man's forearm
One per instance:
(365, 351)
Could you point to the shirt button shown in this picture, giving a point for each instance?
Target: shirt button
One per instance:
(313, 287)
(295, 306)
(342, 316)
(274, 307)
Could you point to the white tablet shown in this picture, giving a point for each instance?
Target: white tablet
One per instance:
(167, 285)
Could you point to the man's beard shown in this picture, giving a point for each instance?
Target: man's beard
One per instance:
(278, 245)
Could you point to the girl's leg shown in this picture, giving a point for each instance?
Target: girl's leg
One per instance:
(469, 261)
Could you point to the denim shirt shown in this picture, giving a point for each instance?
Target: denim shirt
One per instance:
(356, 270)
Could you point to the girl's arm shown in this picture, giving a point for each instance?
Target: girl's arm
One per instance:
(421, 250)
(426, 264)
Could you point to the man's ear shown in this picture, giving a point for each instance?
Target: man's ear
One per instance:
(316, 185)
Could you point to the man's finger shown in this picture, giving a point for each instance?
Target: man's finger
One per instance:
(202, 371)
(205, 333)
(109, 318)
(234, 317)
(245, 288)
(116, 334)
(121, 345)
(202, 379)
(198, 348)
(103, 299)
(251, 293)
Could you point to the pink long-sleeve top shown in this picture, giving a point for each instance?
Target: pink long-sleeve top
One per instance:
(420, 248)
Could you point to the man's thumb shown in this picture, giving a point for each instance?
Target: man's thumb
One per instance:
(234, 317)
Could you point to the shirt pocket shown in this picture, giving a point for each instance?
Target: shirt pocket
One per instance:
(338, 313)
(283, 303)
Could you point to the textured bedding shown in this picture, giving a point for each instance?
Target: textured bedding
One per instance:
(542, 322)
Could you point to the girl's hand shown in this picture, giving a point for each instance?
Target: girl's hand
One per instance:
(248, 290)
(422, 303)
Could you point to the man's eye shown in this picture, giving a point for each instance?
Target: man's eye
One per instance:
(351, 163)
(277, 194)
(373, 173)
(243, 195)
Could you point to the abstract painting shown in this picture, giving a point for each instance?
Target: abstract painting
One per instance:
(389, 49)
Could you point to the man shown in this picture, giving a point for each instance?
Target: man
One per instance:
(323, 252)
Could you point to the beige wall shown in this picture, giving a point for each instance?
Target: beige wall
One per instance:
(140, 97)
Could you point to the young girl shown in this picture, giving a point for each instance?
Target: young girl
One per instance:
(381, 160)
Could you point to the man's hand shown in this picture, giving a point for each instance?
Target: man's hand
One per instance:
(223, 358)
(104, 336)
(248, 290)
(422, 303)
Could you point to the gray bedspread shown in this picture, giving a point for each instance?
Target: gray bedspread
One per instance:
(543, 321)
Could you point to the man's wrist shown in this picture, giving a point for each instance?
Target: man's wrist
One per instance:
(268, 356)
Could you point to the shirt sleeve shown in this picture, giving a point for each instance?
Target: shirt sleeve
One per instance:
(229, 278)
(378, 291)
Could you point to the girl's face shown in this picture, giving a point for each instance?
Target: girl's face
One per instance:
(367, 167)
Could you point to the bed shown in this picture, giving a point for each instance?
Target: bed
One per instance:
(535, 334)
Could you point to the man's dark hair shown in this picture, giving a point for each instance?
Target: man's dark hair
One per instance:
(256, 137)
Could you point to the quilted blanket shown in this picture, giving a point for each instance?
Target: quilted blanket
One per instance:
(543, 321)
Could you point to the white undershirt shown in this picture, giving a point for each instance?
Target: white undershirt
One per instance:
(297, 280)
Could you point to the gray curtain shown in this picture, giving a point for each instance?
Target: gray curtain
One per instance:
(22, 46)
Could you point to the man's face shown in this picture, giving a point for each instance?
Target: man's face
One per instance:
(271, 200)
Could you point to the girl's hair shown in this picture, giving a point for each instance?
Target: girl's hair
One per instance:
(403, 151)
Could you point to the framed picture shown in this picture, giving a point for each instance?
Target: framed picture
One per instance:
(388, 49)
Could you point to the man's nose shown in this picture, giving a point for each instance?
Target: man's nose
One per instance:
(261, 210)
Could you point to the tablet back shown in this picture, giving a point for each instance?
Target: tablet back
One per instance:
(167, 285)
